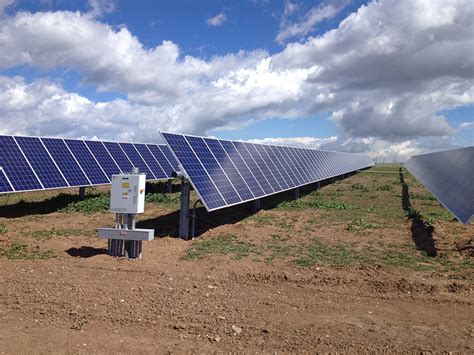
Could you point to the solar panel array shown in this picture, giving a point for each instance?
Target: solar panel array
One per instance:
(34, 163)
(449, 177)
(226, 173)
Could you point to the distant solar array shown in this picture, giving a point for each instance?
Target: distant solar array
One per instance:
(226, 173)
(449, 177)
(35, 163)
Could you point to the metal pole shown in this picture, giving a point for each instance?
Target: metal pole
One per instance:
(184, 210)
(297, 193)
(82, 193)
(169, 186)
(256, 205)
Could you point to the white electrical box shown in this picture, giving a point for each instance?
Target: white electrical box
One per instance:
(128, 193)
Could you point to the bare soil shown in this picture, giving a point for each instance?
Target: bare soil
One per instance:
(247, 297)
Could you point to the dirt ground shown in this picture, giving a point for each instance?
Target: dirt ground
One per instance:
(350, 268)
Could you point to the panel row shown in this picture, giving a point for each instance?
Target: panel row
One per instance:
(34, 163)
(226, 173)
(448, 176)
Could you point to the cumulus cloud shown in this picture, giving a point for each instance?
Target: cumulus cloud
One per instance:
(308, 22)
(4, 4)
(100, 8)
(301, 142)
(381, 76)
(217, 20)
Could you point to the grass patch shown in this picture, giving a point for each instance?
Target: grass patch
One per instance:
(359, 224)
(3, 229)
(48, 234)
(23, 251)
(320, 204)
(223, 245)
(261, 220)
(416, 196)
(385, 188)
(360, 187)
(93, 204)
(158, 197)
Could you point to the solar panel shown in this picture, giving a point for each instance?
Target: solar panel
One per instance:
(160, 158)
(16, 167)
(4, 183)
(448, 175)
(225, 173)
(41, 162)
(66, 162)
(87, 162)
(35, 163)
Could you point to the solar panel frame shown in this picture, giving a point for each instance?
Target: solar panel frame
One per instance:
(172, 138)
(21, 175)
(41, 162)
(7, 187)
(453, 169)
(87, 162)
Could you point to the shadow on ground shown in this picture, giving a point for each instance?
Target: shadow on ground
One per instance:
(421, 231)
(86, 252)
(167, 225)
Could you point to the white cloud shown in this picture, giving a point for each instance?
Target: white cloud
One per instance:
(4, 4)
(381, 76)
(466, 125)
(217, 20)
(302, 142)
(99, 8)
(308, 22)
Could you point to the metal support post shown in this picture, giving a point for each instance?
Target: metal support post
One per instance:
(169, 186)
(297, 193)
(82, 193)
(184, 210)
(318, 185)
(256, 205)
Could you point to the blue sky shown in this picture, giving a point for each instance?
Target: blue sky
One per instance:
(296, 72)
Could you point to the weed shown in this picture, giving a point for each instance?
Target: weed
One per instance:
(79, 325)
(22, 251)
(277, 248)
(415, 196)
(358, 224)
(385, 188)
(162, 198)
(361, 187)
(48, 234)
(93, 204)
(3, 229)
(370, 210)
(321, 204)
(223, 245)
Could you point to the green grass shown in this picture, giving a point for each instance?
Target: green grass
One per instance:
(319, 204)
(262, 220)
(316, 252)
(48, 234)
(223, 245)
(386, 187)
(23, 251)
(360, 187)
(165, 198)
(359, 224)
(3, 229)
(93, 204)
(416, 196)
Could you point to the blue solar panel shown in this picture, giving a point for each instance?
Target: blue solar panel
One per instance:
(4, 184)
(260, 162)
(137, 159)
(16, 167)
(229, 168)
(41, 162)
(119, 156)
(253, 170)
(87, 162)
(162, 160)
(151, 162)
(66, 162)
(242, 167)
(167, 153)
(104, 158)
(448, 175)
(218, 176)
(200, 179)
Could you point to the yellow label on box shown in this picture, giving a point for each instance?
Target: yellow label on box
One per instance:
(125, 185)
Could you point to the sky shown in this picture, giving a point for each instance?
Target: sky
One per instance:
(389, 78)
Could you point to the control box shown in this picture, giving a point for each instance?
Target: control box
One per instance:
(128, 193)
